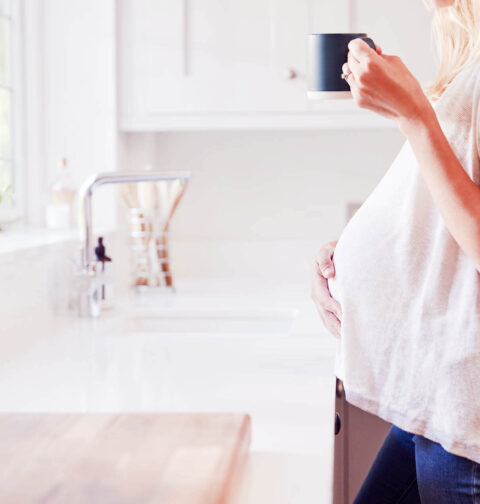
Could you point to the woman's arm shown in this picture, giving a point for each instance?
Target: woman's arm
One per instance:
(454, 193)
(383, 83)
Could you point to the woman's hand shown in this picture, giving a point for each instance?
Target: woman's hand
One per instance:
(383, 83)
(328, 308)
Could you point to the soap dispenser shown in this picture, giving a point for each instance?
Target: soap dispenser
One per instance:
(59, 209)
(102, 271)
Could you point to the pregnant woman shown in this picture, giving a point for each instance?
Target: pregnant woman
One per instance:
(401, 286)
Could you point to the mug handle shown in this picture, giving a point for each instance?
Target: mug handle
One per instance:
(370, 42)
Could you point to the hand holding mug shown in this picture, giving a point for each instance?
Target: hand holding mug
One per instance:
(327, 52)
(382, 82)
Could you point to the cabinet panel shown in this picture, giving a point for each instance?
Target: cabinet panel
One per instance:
(150, 32)
(236, 57)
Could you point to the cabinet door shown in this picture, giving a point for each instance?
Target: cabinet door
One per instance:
(356, 446)
(190, 56)
(194, 56)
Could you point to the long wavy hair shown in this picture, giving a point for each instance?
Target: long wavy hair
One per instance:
(456, 35)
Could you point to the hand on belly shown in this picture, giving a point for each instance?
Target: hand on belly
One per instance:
(329, 309)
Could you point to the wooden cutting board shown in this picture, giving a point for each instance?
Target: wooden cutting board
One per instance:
(121, 459)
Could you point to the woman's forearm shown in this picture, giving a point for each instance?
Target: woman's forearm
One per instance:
(455, 195)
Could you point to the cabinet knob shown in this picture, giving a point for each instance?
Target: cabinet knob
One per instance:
(290, 74)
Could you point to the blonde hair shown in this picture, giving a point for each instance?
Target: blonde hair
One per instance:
(456, 34)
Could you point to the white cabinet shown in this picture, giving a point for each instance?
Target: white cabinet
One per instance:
(188, 64)
(216, 55)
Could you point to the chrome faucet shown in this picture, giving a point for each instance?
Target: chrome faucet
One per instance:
(91, 303)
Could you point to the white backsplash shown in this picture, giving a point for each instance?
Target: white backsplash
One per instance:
(266, 185)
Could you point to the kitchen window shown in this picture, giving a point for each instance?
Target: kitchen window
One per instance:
(8, 124)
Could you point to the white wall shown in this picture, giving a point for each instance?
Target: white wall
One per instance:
(271, 189)
(262, 185)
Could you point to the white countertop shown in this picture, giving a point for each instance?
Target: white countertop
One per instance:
(213, 346)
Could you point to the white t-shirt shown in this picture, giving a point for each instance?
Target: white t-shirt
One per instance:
(409, 350)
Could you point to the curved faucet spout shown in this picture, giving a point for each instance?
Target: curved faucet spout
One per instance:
(90, 186)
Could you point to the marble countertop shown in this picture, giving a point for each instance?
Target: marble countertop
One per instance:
(224, 346)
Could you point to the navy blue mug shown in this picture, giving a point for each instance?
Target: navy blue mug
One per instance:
(327, 52)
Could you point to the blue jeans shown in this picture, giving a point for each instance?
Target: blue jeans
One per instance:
(410, 469)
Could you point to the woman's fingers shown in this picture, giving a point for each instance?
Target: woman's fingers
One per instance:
(330, 320)
(335, 308)
(322, 297)
(354, 65)
(323, 261)
(325, 267)
(333, 324)
(346, 71)
(360, 49)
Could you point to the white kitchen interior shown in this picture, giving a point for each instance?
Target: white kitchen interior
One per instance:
(213, 91)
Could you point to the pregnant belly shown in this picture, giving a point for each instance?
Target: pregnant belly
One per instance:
(373, 251)
(357, 258)
(367, 262)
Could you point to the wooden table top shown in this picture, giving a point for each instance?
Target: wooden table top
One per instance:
(121, 458)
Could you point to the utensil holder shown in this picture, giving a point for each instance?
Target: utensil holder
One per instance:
(149, 248)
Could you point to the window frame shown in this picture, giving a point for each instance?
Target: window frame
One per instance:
(15, 17)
